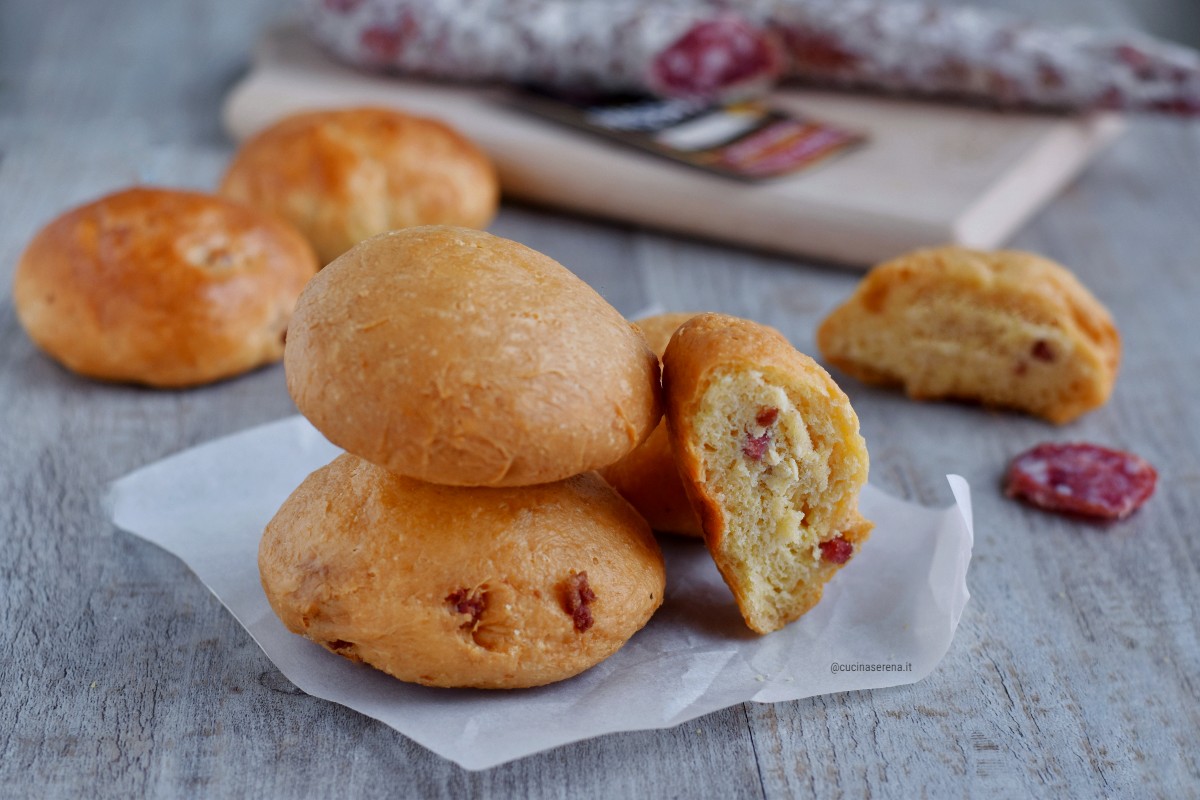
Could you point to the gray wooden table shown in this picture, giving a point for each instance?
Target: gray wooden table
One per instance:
(1074, 671)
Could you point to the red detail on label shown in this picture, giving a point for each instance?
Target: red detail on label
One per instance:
(782, 146)
(1083, 479)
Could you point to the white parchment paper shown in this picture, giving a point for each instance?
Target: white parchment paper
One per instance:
(888, 617)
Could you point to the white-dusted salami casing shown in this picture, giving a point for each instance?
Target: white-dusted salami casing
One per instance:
(978, 54)
(609, 45)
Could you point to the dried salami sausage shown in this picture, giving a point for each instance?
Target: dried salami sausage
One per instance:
(607, 45)
(715, 48)
(1081, 479)
(979, 55)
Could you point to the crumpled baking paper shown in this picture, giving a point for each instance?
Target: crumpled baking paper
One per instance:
(886, 619)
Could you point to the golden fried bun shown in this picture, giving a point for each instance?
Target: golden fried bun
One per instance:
(161, 287)
(1005, 328)
(453, 356)
(647, 477)
(341, 176)
(467, 587)
(769, 451)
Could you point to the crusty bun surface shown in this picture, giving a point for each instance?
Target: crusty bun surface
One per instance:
(457, 357)
(1005, 328)
(647, 477)
(769, 451)
(161, 287)
(341, 176)
(467, 587)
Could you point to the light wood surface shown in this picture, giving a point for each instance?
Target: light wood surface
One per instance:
(1074, 671)
(979, 174)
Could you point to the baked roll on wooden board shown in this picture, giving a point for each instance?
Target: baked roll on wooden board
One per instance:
(770, 453)
(344, 175)
(461, 587)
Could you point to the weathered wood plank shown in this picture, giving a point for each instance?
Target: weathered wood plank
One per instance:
(1074, 670)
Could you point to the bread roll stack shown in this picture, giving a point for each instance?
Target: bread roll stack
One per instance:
(463, 539)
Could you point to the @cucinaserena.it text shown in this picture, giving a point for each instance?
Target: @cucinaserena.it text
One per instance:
(837, 667)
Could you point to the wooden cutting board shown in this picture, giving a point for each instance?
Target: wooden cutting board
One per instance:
(930, 174)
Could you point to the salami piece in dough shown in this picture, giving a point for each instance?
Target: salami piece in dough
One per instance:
(604, 45)
(1081, 479)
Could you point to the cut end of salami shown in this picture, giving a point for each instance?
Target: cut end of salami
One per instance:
(1082, 479)
(718, 58)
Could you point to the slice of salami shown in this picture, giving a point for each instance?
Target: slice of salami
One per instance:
(1081, 479)
(605, 45)
(978, 55)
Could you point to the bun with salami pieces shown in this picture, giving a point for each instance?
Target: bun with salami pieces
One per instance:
(460, 587)
(1004, 328)
(771, 456)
